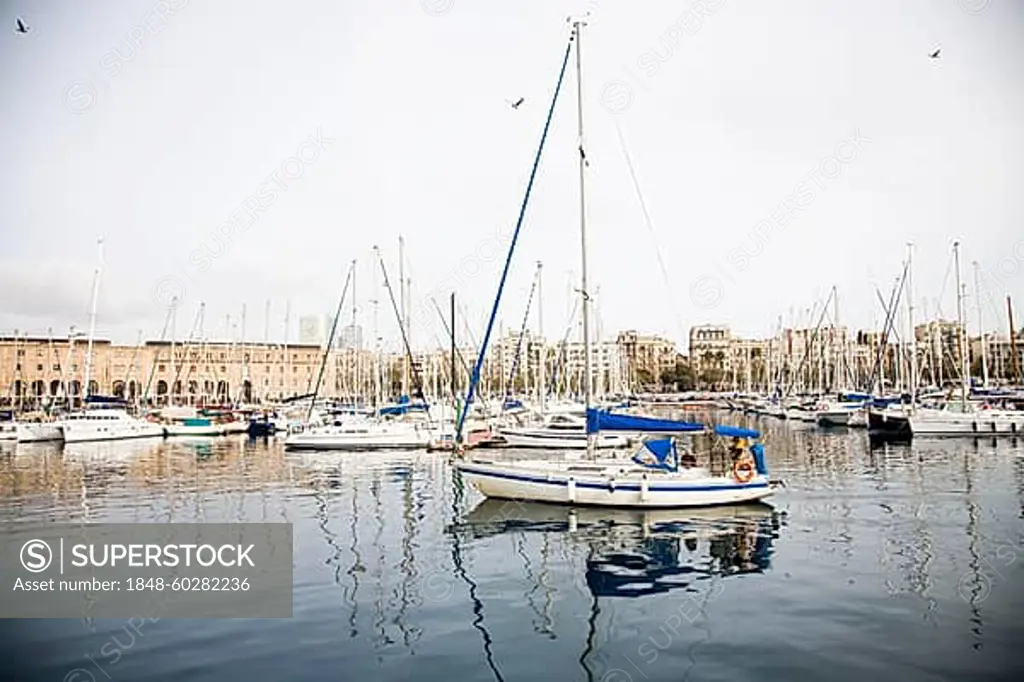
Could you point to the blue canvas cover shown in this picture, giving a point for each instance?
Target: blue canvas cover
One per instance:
(598, 420)
(657, 454)
(736, 432)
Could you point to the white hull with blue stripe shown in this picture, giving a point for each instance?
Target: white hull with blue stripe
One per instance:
(615, 483)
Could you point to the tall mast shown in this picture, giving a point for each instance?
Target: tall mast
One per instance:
(245, 362)
(92, 316)
(1013, 342)
(542, 352)
(912, 333)
(835, 348)
(377, 378)
(588, 389)
(981, 327)
(961, 335)
(454, 375)
(285, 362)
(356, 388)
(401, 317)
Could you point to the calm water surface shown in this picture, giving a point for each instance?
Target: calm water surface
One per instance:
(902, 562)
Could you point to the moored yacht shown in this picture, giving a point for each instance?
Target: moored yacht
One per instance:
(107, 424)
(39, 429)
(361, 434)
(106, 419)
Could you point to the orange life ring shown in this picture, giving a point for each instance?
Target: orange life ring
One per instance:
(743, 470)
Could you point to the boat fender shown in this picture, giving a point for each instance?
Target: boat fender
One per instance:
(643, 488)
(572, 489)
(611, 485)
(993, 425)
(743, 471)
(974, 426)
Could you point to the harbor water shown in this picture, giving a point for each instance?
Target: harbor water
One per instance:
(894, 562)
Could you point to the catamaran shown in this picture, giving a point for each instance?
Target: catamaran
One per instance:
(657, 475)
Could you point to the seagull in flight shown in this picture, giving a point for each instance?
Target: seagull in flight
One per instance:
(935, 55)
(515, 105)
(22, 28)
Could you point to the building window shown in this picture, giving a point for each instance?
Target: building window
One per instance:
(39, 368)
(21, 352)
(162, 368)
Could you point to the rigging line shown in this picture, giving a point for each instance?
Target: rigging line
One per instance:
(650, 226)
(475, 377)
(405, 338)
(519, 342)
(561, 359)
(330, 341)
(156, 356)
(448, 331)
(942, 291)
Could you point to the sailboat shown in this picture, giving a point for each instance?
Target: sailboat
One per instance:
(952, 417)
(657, 475)
(103, 418)
(355, 431)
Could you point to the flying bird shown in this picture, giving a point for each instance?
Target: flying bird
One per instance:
(22, 28)
(935, 55)
(515, 105)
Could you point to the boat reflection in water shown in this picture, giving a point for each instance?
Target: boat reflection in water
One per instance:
(626, 553)
(634, 553)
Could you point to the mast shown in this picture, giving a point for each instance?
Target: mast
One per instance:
(401, 316)
(354, 347)
(981, 326)
(961, 336)
(377, 379)
(287, 363)
(245, 362)
(92, 316)
(588, 389)
(1013, 342)
(543, 351)
(910, 324)
(454, 376)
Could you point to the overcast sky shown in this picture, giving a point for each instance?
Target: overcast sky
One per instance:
(779, 152)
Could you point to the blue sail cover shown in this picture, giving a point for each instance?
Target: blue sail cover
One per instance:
(598, 420)
(657, 454)
(736, 432)
(404, 407)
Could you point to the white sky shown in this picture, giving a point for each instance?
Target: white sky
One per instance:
(154, 147)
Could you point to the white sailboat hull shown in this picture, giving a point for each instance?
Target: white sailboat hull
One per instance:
(555, 439)
(924, 422)
(39, 432)
(365, 438)
(602, 486)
